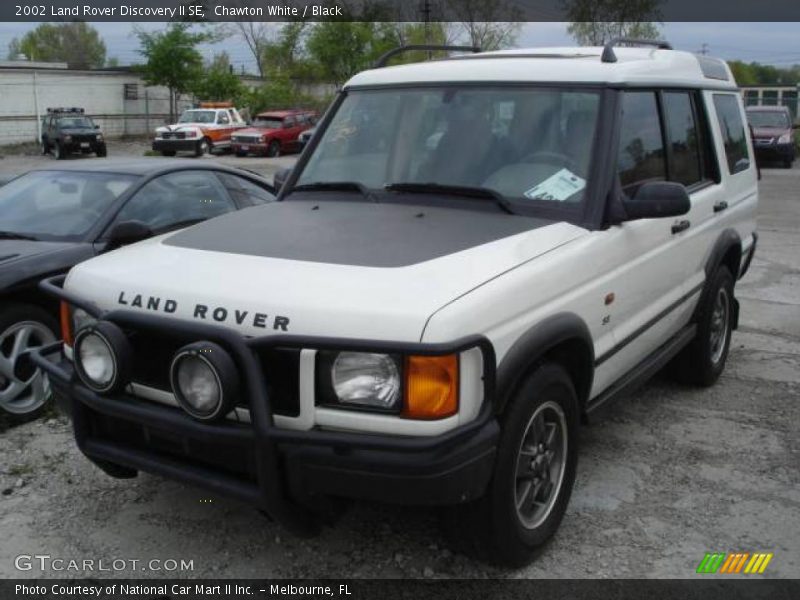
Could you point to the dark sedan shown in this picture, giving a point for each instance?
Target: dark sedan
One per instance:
(52, 219)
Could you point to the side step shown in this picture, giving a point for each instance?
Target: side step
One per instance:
(642, 372)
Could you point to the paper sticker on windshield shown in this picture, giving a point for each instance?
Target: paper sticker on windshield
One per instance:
(558, 187)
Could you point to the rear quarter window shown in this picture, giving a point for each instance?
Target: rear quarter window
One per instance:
(734, 136)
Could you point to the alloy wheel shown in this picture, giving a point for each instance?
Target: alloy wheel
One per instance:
(541, 462)
(719, 330)
(22, 396)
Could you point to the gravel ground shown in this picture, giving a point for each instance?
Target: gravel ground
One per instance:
(664, 475)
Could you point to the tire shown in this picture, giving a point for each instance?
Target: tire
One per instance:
(45, 149)
(703, 360)
(787, 163)
(58, 151)
(493, 528)
(274, 149)
(203, 147)
(102, 152)
(23, 326)
(241, 154)
(168, 153)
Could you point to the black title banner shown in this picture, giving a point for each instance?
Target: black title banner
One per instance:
(701, 588)
(400, 10)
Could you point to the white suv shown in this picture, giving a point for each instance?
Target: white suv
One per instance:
(470, 256)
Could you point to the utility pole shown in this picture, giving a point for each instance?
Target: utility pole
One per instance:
(425, 9)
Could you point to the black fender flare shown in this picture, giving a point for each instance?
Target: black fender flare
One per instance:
(729, 238)
(533, 345)
(726, 240)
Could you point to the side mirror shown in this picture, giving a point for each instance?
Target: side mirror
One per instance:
(127, 232)
(280, 178)
(97, 126)
(657, 199)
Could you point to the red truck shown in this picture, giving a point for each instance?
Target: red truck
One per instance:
(273, 133)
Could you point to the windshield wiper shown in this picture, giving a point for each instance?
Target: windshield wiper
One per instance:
(451, 190)
(332, 186)
(10, 235)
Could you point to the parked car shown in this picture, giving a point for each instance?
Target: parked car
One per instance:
(773, 133)
(68, 131)
(200, 130)
(428, 322)
(52, 219)
(273, 133)
(305, 137)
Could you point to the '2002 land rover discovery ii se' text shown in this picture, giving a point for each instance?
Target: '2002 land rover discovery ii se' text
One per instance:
(471, 255)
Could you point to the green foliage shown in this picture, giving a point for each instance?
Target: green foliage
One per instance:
(596, 22)
(342, 49)
(757, 74)
(76, 43)
(172, 59)
(219, 83)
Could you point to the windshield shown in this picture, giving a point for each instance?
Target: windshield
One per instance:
(58, 205)
(76, 123)
(530, 145)
(764, 118)
(268, 122)
(198, 116)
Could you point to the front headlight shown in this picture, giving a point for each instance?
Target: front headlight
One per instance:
(99, 137)
(205, 380)
(786, 138)
(67, 138)
(103, 356)
(365, 379)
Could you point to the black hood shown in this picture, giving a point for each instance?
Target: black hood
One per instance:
(352, 233)
(23, 260)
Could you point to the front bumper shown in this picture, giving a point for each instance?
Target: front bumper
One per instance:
(160, 145)
(775, 151)
(279, 470)
(241, 147)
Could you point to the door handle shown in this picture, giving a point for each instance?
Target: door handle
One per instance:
(679, 226)
(720, 206)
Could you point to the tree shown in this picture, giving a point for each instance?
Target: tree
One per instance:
(256, 36)
(77, 44)
(342, 49)
(219, 82)
(596, 22)
(487, 24)
(172, 59)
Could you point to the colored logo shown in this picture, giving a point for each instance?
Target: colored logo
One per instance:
(734, 563)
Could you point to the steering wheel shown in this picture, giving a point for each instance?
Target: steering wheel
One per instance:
(551, 158)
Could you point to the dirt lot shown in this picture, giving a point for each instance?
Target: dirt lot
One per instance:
(664, 476)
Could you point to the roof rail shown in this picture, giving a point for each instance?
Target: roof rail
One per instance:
(608, 50)
(381, 62)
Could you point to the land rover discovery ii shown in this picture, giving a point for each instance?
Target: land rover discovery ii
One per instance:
(470, 256)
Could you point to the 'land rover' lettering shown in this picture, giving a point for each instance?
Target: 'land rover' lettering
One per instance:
(220, 314)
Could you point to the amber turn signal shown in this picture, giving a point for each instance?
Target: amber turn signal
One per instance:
(431, 387)
(66, 323)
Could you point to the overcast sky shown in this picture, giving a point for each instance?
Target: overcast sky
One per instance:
(770, 43)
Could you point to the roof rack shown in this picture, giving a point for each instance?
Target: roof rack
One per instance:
(608, 50)
(381, 62)
(73, 110)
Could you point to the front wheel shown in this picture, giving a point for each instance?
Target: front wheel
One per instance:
(534, 473)
(702, 361)
(58, 151)
(274, 149)
(102, 152)
(22, 328)
(203, 147)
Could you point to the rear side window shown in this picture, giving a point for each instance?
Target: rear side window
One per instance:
(641, 145)
(684, 147)
(733, 132)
